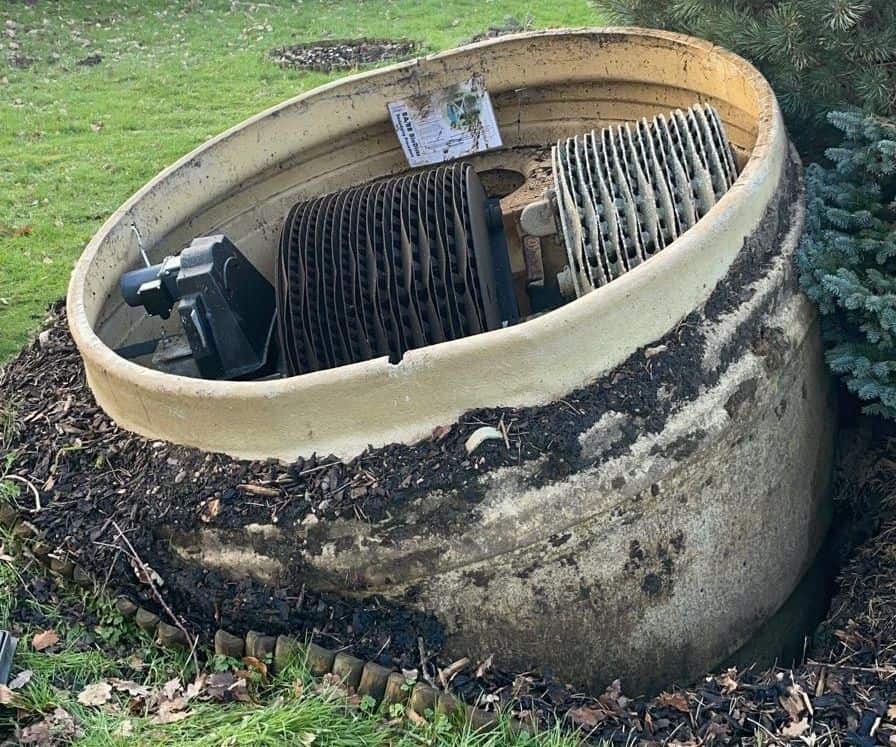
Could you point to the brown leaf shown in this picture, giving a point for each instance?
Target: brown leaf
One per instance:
(795, 702)
(136, 663)
(218, 684)
(22, 231)
(129, 686)
(448, 673)
(56, 728)
(588, 717)
(145, 574)
(196, 687)
(171, 711)
(256, 664)
(44, 639)
(126, 729)
(96, 694)
(7, 696)
(728, 682)
(795, 728)
(224, 687)
(171, 688)
(674, 700)
(613, 699)
(440, 431)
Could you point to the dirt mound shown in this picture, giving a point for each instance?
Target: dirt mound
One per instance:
(62, 442)
(342, 54)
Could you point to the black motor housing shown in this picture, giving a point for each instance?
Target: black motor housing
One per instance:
(226, 306)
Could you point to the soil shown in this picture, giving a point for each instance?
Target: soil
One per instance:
(841, 695)
(510, 25)
(343, 54)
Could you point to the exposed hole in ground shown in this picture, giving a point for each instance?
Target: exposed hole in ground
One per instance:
(342, 54)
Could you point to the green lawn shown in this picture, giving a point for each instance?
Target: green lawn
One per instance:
(76, 140)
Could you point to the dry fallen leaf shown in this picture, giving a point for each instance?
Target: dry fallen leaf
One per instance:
(171, 711)
(129, 686)
(97, 694)
(57, 728)
(260, 490)
(440, 431)
(7, 696)
(44, 639)
(256, 664)
(145, 574)
(448, 673)
(171, 688)
(795, 728)
(674, 700)
(483, 667)
(125, 729)
(21, 679)
(196, 687)
(728, 682)
(224, 687)
(795, 702)
(588, 717)
(22, 231)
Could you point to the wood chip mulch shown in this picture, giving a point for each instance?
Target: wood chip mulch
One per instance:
(844, 693)
(342, 54)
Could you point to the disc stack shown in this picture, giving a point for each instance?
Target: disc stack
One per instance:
(627, 192)
(384, 268)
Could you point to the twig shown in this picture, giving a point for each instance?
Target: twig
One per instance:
(25, 481)
(320, 467)
(147, 576)
(424, 660)
(504, 433)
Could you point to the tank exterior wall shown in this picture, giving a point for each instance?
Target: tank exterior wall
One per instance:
(662, 550)
(545, 85)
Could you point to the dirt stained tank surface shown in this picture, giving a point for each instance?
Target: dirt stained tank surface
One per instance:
(654, 479)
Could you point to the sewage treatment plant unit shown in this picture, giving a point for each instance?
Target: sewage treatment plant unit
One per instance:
(607, 212)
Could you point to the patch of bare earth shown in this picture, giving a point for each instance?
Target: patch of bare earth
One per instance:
(342, 54)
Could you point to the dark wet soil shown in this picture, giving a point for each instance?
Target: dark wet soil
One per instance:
(343, 54)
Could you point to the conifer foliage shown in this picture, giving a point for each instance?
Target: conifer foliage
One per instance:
(847, 256)
(819, 55)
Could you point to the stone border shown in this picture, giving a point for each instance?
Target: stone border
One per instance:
(366, 678)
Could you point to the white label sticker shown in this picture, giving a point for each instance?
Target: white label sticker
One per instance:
(443, 125)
